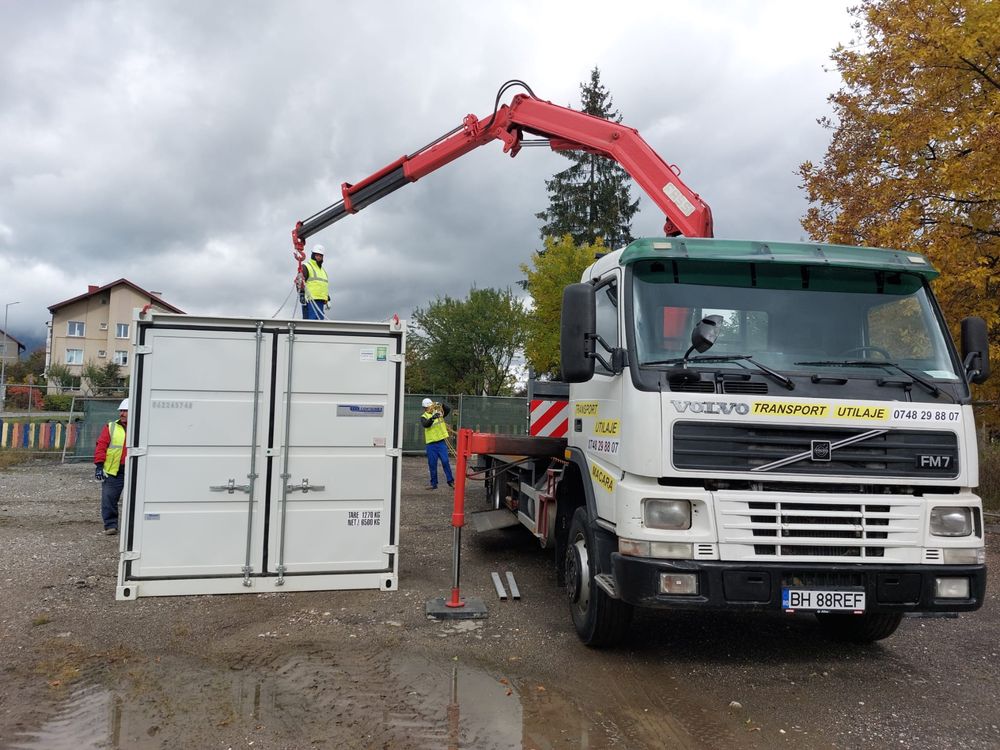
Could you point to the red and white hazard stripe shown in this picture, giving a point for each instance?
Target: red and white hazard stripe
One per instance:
(549, 418)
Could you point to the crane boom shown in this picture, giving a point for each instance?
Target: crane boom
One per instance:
(566, 130)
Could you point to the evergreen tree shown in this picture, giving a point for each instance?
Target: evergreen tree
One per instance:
(591, 199)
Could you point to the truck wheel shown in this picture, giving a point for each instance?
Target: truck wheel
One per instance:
(599, 619)
(866, 628)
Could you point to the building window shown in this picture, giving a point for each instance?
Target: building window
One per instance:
(102, 353)
(121, 331)
(74, 356)
(75, 328)
(121, 357)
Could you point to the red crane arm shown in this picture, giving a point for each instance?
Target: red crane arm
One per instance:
(567, 130)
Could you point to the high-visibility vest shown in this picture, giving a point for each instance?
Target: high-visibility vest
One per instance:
(437, 431)
(113, 458)
(318, 283)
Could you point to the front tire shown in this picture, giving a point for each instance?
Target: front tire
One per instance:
(866, 628)
(599, 619)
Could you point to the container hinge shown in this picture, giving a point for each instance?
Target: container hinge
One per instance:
(130, 555)
(230, 487)
(304, 486)
(138, 451)
(144, 349)
(394, 452)
(390, 549)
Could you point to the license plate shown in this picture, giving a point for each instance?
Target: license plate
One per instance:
(823, 600)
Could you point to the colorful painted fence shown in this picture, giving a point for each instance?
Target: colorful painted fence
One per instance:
(37, 436)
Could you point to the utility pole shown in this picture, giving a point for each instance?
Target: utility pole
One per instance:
(3, 360)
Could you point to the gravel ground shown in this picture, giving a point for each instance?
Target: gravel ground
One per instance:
(367, 669)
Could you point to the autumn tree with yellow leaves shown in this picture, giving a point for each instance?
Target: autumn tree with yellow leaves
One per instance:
(914, 160)
(559, 264)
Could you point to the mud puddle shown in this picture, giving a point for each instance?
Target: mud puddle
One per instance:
(319, 698)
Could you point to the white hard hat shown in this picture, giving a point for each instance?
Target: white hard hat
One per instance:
(318, 249)
(123, 406)
(426, 402)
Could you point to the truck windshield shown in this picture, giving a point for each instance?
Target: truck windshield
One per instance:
(790, 318)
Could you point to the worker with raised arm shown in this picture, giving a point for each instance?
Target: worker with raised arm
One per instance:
(436, 438)
(109, 467)
(314, 289)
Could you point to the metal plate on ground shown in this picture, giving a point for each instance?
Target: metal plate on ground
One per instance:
(490, 520)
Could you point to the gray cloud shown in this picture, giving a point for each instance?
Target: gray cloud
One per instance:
(176, 144)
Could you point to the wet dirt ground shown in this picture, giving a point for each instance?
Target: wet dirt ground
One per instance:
(367, 669)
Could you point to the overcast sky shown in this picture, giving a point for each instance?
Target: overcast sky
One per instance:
(176, 143)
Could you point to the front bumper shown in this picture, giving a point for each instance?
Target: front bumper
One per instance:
(757, 586)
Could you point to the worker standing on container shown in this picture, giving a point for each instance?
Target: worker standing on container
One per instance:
(314, 289)
(109, 467)
(436, 437)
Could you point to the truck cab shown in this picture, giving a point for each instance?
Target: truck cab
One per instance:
(767, 426)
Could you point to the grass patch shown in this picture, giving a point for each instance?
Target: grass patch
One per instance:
(41, 620)
(989, 476)
(13, 457)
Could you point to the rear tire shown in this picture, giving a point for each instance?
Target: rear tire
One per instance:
(599, 619)
(866, 628)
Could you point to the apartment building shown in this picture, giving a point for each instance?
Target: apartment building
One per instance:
(10, 348)
(96, 327)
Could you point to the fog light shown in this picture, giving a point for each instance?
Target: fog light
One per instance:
(666, 514)
(948, 588)
(951, 521)
(964, 556)
(674, 583)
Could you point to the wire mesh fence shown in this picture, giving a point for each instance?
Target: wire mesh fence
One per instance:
(34, 420)
(504, 415)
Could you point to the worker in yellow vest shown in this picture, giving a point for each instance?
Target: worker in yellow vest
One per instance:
(109, 467)
(436, 438)
(314, 287)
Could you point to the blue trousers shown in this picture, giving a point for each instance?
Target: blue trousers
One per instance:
(111, 492)
(314, 310)
(438, 452)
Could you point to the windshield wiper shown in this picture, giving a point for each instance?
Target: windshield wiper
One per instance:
(787, 382)
(931, 388)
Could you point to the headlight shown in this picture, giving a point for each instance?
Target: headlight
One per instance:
(950, 521)
(666, 514)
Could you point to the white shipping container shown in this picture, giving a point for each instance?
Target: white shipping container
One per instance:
(263, 455)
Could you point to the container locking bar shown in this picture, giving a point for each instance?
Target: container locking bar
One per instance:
(285, 476)
(252, 476)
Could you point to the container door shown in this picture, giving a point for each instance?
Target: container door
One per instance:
(332, 511)
(197, 511)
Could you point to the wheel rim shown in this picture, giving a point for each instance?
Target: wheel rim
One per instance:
(578, 574)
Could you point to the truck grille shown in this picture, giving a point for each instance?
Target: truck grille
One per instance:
(799, 527)
(714, 446)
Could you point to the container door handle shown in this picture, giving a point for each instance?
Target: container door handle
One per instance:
(304, 486)
(230, 487)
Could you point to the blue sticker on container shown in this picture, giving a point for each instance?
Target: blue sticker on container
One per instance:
(360, 410)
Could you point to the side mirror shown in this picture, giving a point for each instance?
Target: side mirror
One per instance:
(975, 350)
(705, 334)
(577, 329)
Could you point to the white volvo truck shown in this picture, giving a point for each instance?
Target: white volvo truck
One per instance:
(816, 455)
(758, 427)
